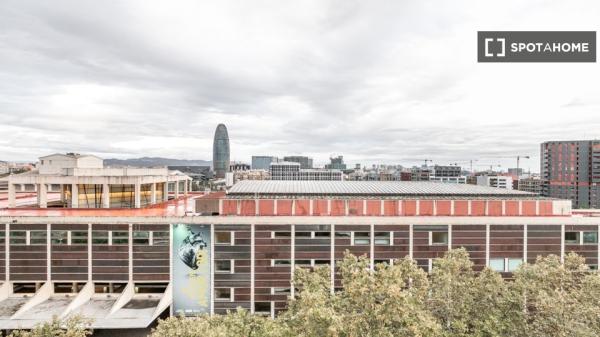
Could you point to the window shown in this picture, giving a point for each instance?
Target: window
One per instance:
(303, 234)
(571, 237)
(497, 265)
(382, 238)
(322, 234)
(282, 234)
(590, 237)
(79, 238)
(140, 238)
(342, 235)
(223, 294)
(120, 238)
(514, 263)
(303, 263)
(281, 291)
(262, 307)
(439, 238)
(223, 238)
(18, 237)
(322, 262)
(282, 262)
(37, 237)
(100, 237)
(362, 238)
(60, 237)
(381, 261)
(160, 238)
(223, 266)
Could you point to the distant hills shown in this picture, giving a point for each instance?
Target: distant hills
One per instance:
(155, 161)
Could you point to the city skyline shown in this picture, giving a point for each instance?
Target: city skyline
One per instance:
(372, 82)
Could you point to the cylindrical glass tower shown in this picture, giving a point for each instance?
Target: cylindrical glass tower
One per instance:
(221, 151)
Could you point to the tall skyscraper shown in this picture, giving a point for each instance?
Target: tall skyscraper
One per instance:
(221, 151)
(571, 170)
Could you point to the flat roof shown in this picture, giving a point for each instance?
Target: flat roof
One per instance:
(369, 188)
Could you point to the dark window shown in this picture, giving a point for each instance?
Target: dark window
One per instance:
(223, 266)
(439, 238)
(571, 237)
(223, 238)
(79, 238)
(18, 237)
(322, 234)
(362, 238)
(590, 237)
(37, 237)
(120, 238)
(60, 237)
(160, 238)
(282, 234)
(223, 294)
(100, 237)
(262, 307)
(140, 238)
(303, 234)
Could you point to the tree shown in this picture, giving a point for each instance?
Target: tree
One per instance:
(75, 326)
(235, 323)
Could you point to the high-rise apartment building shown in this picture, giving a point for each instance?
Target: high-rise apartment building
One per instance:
(305, 162)
(263, 162)
(221, 151)
(571, 170)
(292, 171)
(336, 163)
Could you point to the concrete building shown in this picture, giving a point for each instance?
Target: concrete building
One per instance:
(496, 181)
(305, 162)
(292, 171)
(84, 182)
(571, 170)
(530, 184)
(233, 167)
(451, 180)
(442, 171)
(221, 151)
(4, 168)
(263, 162)
(421, 173)
(124, 268)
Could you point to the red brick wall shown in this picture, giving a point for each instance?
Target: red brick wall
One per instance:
(425, 207)
(390, 208)
(319, 207)
(494, 208)
(442, 207)
(373, 207)
(546, 208)
(284, 207)
(528, 208)
(302, 207)
(477, 208)
(461, 207)
(248, 207)
(338, 207)
(266, 207)
(409, 207)
(230, 207)
(355, 207)
(511, 208)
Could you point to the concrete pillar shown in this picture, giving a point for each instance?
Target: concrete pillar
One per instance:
(74, 196)
(12, 196)
(105, 196)
(166, 191)
(43, 195)
(177, 189)
(137, 195)
(153, 193)
(185, 188)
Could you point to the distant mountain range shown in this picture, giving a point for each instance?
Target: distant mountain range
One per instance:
(155, 161)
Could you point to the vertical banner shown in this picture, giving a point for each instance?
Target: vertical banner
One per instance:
(191, 269)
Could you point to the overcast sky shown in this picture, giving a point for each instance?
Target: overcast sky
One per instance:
(376, 81)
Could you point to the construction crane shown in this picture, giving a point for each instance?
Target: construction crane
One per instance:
(470, 162)
(518, 160)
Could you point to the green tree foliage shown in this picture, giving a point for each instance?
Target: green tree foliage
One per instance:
(75, 326)
(548, 298)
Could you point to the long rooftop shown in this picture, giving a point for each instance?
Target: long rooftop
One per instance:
(398, 189)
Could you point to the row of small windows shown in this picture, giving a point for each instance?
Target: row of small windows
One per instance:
(356, 238)
(581, 238)
(63, 237)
